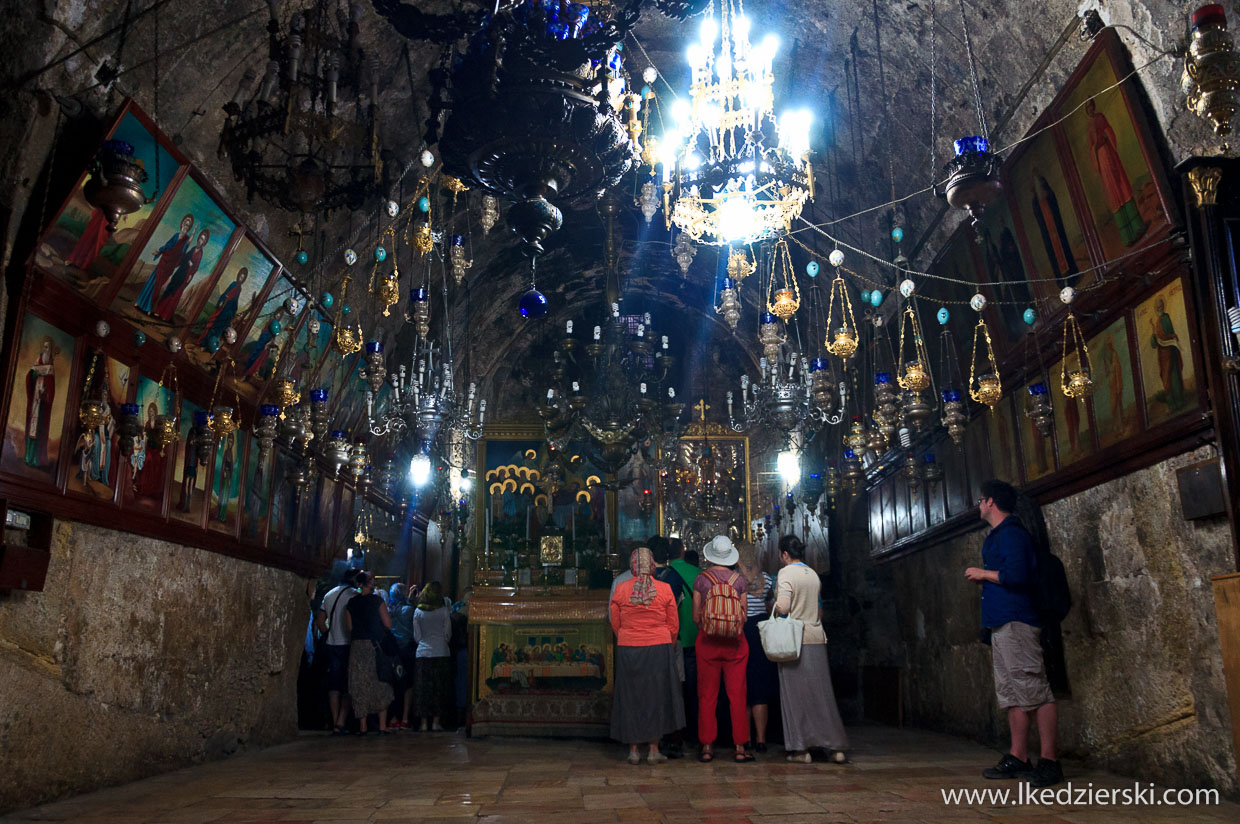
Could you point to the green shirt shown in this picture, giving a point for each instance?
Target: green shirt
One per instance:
(688, 629)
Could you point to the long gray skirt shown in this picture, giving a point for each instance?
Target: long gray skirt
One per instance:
(807, 702)
(648, 702)
(367, 692)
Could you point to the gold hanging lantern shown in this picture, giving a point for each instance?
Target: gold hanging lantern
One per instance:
(345, 340)
(221, 420)
(784, 302)
(91, 411)
(1077, 380)
(984, 388)
(165, 430)
(388, 291)
(841, 338)
(914, 375)
(739, 265)
(424, 239)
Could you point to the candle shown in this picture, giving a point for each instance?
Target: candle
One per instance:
(646, 318)
(665, 341)
(576, 388)
(642, 387)
(641, 330)
(671, 393)
(569, 327)
(598, 332)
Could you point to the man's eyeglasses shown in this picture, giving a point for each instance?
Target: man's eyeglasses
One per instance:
(979, 501)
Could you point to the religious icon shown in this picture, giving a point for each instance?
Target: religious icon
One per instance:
(148, 464)
(257, 495)
(77, 246)
(226, 482)
(38, 401)
(1111, 159)
(1038, 450)
(551, 550)
(1073, 432)
(1054, 243)
(1166, 357)
(188, 475)
(1115, 397)
(256, 359)
(1002, 441)
(99, 462)
(169, 275)
(1001, 258)
(230, 299)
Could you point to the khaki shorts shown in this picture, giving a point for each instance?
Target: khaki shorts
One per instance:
(1020, 677)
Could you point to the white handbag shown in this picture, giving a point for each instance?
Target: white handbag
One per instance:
(781, 637)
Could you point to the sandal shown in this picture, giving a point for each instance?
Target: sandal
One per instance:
(744, 757)
(706, 756)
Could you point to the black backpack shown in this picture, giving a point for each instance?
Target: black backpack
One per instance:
(1051, 596)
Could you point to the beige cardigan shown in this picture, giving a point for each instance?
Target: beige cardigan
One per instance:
(796, 595)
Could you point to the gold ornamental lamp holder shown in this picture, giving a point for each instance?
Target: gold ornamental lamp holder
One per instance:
(222, 421)
(739, 265)
(984, 388)
(91, 410)
(1211, 78)
(1076, 374)
(783, 302)
(166, 428)
(842, 337)
(345, 339)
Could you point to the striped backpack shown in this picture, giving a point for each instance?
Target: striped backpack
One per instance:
(723, 614)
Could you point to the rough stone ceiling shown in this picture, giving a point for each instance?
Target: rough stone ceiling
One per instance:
(830, 51)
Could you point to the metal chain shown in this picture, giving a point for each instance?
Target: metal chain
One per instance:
(977, 92)
(933, 102)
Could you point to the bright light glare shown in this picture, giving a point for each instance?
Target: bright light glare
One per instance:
(794, 131)
(680, 111)
(789, 465)
(737, 220)
(696, 55)
(710, 30)
(693, 161)
(420, 470)
(669, 149)
(740, 27)
(765, 53)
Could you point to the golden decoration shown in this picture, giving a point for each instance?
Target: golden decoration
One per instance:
(1078, 382)
(843, 341)
(914, 374)
(740, 266)
(388, 292)
(985, 388)
(785, 302)
(345, 340)
(1205, 180)
(423, 239)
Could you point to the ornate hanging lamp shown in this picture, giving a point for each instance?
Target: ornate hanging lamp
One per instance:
(1076, 373)
(732, 171)
(786, 300)
(984, 387)
(1211, 79)
(729, 303)
(841, 339)
(955, 415)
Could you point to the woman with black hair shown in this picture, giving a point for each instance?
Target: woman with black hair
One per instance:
(810, 715)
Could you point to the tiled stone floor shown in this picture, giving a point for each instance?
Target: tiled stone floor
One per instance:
(894, 776)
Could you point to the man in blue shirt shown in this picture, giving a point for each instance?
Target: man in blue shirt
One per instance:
(1007, 576)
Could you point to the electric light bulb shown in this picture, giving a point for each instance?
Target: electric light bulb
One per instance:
(680, 111)
(740, 28)
(794, 131)
(710, 30)
(737, 220)
(693, 161)
(789, 465)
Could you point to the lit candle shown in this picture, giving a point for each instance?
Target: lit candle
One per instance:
(646, 318)
(598, 332)
(576, 388)
(665, 341)
(569, 327)
(641, 330)
(642, 388)
(671, 393)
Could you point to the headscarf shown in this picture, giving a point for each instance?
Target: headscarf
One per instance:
(751, 570)
(431, 597)
(396, 595)
(641, 564)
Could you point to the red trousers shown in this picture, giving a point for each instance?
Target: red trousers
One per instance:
(719, 658)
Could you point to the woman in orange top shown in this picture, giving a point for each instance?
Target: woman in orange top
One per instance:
(647, 702)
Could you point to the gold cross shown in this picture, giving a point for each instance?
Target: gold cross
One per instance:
(700, 407)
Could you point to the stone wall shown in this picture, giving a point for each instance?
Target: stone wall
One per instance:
(1148, 695)
(140, 657)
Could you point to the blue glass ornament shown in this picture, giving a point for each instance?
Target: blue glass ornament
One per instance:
(318, 395)
(327, 300)
(276, 327)
(876, 298)
(269, 410)
(346, 309)
(1039, 388)
(645, 92)
(943, 316)
(419, 294)
(881, 378)
(1030, 316)
(970, 145)
(380, 254)
(728, 283)
(865, 295)
(766, 318)
(928, 457)
(212, 344)
(139, 338)
(424, 204)
(951, 395)
(303, 257)
(201, 418)
(533, 304)
(811, 268)
(897, 234)
(817, 364)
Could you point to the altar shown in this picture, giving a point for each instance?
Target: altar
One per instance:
(541, 662)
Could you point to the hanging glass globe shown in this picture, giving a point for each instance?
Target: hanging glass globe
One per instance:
(876, 298)
(897, 234)
(139, 338)
(303, 257)
(944, 316)
(350, 257)
(978, 302)
(327, 300)
(811, 268)
(836, 257)
(380, 254)
(1029, 316)
(533, 304)
(424, 204)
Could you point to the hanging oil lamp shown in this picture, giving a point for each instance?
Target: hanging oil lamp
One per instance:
(683, 252)
(202, 438)
(1076, 378)
(739, 265)
(915, 373)
(985, 387)
(852, 473)
(912, 471)
(295, 427)
(91, 412)
(857, 437)
(266, 428)
(345, 340)
(222, 422)
(115, 184)
(335, 452)
(387, 290)
(931, 470)
(917, 411)
(729, 303)
(128, 428)
(784, 302)
(954, 418)
(772, 337)
(1039, 410)
(419, 311)
(375, 372)
(166, 428)
(359, 461)
(489, 215)
(456, 258)
(318, 417)
(1211, 78)
(842, 333)
(821, 386)
(886, 410)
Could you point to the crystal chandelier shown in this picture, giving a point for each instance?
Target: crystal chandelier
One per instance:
(426, 405)
(732, 172)
(307, 139)
(617, 395)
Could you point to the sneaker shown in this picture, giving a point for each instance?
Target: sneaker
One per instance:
(635, 758)
(1009, 766)
(803, 758)
(1048, 773)
(656, 758)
